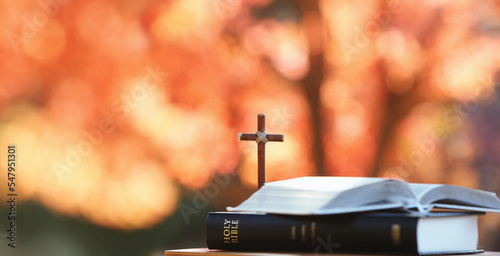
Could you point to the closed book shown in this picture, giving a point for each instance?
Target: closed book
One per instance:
(372, 232)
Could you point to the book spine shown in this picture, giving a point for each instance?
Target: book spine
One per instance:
(317, 233)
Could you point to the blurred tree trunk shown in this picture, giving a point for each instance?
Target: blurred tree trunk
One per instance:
(312, 22)
(398, 106)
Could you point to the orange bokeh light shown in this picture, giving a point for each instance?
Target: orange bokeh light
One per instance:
(117, 107)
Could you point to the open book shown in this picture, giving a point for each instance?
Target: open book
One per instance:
(334, 195)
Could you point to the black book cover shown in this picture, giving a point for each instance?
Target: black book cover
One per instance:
(360, 232)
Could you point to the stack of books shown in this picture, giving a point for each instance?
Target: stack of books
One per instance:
(353, 214)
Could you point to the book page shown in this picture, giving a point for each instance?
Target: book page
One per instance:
(328, 195)
(455, 197)
(330, 184)
(420, 189)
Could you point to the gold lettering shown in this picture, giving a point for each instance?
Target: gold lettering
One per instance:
(396, 234)
(226, 223)
(230, 231)
(294, 232)
(303, 233)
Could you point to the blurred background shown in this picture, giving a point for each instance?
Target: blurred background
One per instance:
(125, 114)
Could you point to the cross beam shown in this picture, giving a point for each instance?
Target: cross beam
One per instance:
(261, 138)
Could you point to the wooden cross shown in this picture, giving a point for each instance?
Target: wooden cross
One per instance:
(261, 137)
